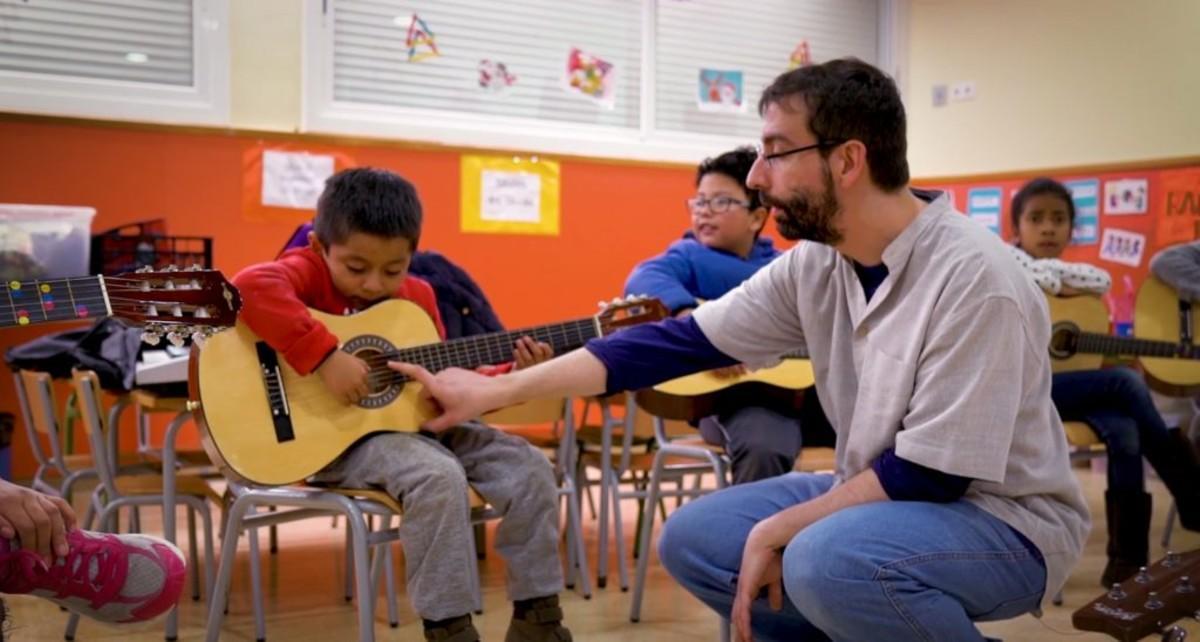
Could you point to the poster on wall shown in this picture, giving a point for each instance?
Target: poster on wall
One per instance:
(591, 77)
(1122, 246)
(495, 77)
(1179, 221)
(1086, 194)
(983, 205)
(294, 179)
(720, 90)
(801, 56)
(1126, 196)
(421, 42)
(509, 195)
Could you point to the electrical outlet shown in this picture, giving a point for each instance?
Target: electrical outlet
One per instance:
(939, 95)
(962, 91)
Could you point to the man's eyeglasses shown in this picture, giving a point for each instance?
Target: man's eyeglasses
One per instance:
(769, 159)
(716, 205)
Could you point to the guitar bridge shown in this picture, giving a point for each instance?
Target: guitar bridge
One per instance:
(281, 414)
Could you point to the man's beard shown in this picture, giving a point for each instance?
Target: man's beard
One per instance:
(804, 216)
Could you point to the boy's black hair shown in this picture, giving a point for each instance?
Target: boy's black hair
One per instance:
(370, 201)
(1038, 187)
(735, 164)
(848, 99)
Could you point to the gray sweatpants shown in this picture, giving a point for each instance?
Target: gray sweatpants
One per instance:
(430, 479)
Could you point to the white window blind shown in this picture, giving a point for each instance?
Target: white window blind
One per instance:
(138, 40)
(361, 77)
(723, 35)
(163, 60)
(531, 38)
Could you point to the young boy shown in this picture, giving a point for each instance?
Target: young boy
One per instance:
(128, 578)
(1114, 402)
(722, 249)
(367, 226)
(1179, 267)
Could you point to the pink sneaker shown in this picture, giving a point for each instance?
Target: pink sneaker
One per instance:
(111, 578)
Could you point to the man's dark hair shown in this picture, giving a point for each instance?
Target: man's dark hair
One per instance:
(1038, 187)
(370, 201)
(848, 99)
(735, 164)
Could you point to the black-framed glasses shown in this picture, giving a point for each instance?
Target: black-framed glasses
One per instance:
(716, 204)
(769, 159)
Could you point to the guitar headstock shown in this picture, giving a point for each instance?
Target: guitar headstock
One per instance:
(632, 310)
(175, 304)
(1148, 602)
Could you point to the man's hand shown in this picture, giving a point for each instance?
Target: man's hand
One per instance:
(346, 377)
(762, 565)
(528, 352)
(40, 521)
(461, 394)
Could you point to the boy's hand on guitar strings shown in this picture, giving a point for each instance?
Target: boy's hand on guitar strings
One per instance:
(346, 377)
(730, 372)
(460, 394)
(528, 352)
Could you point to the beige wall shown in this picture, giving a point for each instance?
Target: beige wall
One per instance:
(265, 64)
(1058, 83)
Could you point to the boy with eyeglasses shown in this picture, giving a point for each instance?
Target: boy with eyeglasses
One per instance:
(723, 248)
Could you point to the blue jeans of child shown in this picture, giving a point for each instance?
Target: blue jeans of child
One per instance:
(882, 571)
(1116, 404)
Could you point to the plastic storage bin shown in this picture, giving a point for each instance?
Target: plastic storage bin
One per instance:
(44, 241)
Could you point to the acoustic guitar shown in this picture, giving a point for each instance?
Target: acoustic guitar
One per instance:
(176, 304)
(1079, 337)
(1147, 603)
(1160, 315)
(780, 388)
(263, 423)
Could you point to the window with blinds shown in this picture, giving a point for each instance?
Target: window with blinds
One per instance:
(487, 74)
(161, 60)
(720, 35)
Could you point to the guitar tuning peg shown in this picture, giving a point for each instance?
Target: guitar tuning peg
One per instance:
(1116, 593)
(602, 304)
(176, 338)
(616, 300)
(1184, 585)
(1171, 560)
(1143, 576)
(151, 338)
(144, 269)
(195, 267)
(1152, 601)
(171, 268)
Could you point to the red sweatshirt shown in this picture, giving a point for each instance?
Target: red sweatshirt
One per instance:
(276, 297)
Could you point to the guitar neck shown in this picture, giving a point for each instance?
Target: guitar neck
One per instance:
(44, 301)
(491, 349)
(1093, 343)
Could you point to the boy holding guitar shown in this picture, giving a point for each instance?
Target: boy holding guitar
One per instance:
(1114, 402)
(367, 226)
(724, 248)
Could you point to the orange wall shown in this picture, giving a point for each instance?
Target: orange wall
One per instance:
(612, 215)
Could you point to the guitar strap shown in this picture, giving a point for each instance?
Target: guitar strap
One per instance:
(1185, 324)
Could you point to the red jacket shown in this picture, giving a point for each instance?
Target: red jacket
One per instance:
(276, 297)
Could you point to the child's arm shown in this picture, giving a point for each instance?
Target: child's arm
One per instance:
(1179, 267)
(273, 306)
(1047, 280)
(1080, 278)
(665, 277)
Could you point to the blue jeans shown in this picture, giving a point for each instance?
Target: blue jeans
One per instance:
(1116, 404)
(880, 571)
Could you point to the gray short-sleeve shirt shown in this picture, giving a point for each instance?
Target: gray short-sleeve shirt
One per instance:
(947, 363)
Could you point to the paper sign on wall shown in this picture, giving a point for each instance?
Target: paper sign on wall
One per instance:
(1180, 198)
(1086, 194)
(1124, 247)
(590, 76)
(983, 205)
(720, 90)
(509, 195)
(294, 179)
(1126, 196)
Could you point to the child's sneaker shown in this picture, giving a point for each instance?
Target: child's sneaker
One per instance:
(111, 578)
(537, 620)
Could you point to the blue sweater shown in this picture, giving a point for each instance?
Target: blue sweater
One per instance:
(689, 271)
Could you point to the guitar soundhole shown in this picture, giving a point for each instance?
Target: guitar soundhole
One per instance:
(384, 386)
(1064, 338)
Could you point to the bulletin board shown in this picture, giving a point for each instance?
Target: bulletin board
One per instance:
(1124, 214)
